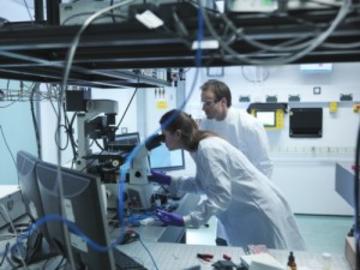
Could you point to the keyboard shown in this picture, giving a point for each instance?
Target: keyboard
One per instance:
(125, 262)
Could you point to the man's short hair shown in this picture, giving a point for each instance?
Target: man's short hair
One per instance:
(219, 89)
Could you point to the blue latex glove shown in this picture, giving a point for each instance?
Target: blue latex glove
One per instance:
(170, 218)
(160, 178)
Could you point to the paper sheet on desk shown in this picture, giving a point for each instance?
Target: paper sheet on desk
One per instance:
(261, 261)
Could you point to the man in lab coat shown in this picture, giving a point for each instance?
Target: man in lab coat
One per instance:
(238, 127)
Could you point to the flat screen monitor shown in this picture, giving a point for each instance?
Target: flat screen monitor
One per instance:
(83, 206)
(26, 164)
(161, 158)
(267, 118)
(305, 122)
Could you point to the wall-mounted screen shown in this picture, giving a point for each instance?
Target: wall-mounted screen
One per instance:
(165, 160)
(306, 122)
(267, 118)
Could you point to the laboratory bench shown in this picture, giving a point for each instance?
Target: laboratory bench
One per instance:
(177, 256)
(166, 245)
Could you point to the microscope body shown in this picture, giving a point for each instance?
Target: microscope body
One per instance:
(139, 189)
(97, 121)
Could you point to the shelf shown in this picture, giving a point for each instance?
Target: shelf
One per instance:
(37, 52)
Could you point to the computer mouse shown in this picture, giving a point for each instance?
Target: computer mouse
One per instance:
(129, 237)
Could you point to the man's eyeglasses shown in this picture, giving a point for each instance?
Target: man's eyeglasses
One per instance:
(209, 103)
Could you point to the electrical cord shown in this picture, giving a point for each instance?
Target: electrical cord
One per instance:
(60, 264)
(58, 144)
(35, 124)
(126, 109)
(51, 102)
(71, 136)
(113, 16)
(28, 10)
(148, 252)
(282, 59)
(99, 145)
(112, 11)
(7, 146)
(5, 253)
(16, 234)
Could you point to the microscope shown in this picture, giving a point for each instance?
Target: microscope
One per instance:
(96, 120)
(139, 189)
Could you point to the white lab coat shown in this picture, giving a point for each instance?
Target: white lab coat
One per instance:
(247, 134)
(251, 209)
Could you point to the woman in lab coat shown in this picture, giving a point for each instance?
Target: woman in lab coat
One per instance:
(251, 209)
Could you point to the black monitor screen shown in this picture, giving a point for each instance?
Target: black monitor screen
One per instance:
(26, 164)
(306, 122)
(83, 206)
(162, 158)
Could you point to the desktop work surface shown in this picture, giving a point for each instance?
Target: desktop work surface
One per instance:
(177, 256)
(180, 256)
(167, 254)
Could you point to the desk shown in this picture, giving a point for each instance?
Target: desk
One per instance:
(179, 256)
(176, 256)
(344, 182)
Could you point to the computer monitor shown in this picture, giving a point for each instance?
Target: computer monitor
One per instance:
(161, 158)
(26, 164)
(305, 122)
(83, 206)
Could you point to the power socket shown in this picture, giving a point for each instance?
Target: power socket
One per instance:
(317, 90)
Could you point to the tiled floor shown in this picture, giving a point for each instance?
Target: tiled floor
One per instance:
(321, 233)
(324, 233)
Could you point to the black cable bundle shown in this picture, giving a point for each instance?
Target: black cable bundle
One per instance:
(36, 127)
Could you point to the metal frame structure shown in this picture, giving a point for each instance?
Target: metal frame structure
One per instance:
(37, 51)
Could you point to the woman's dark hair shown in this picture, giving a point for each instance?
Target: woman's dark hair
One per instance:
(190, 134)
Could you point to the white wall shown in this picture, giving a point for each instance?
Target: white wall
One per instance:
(15, 10)
(304, 168)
